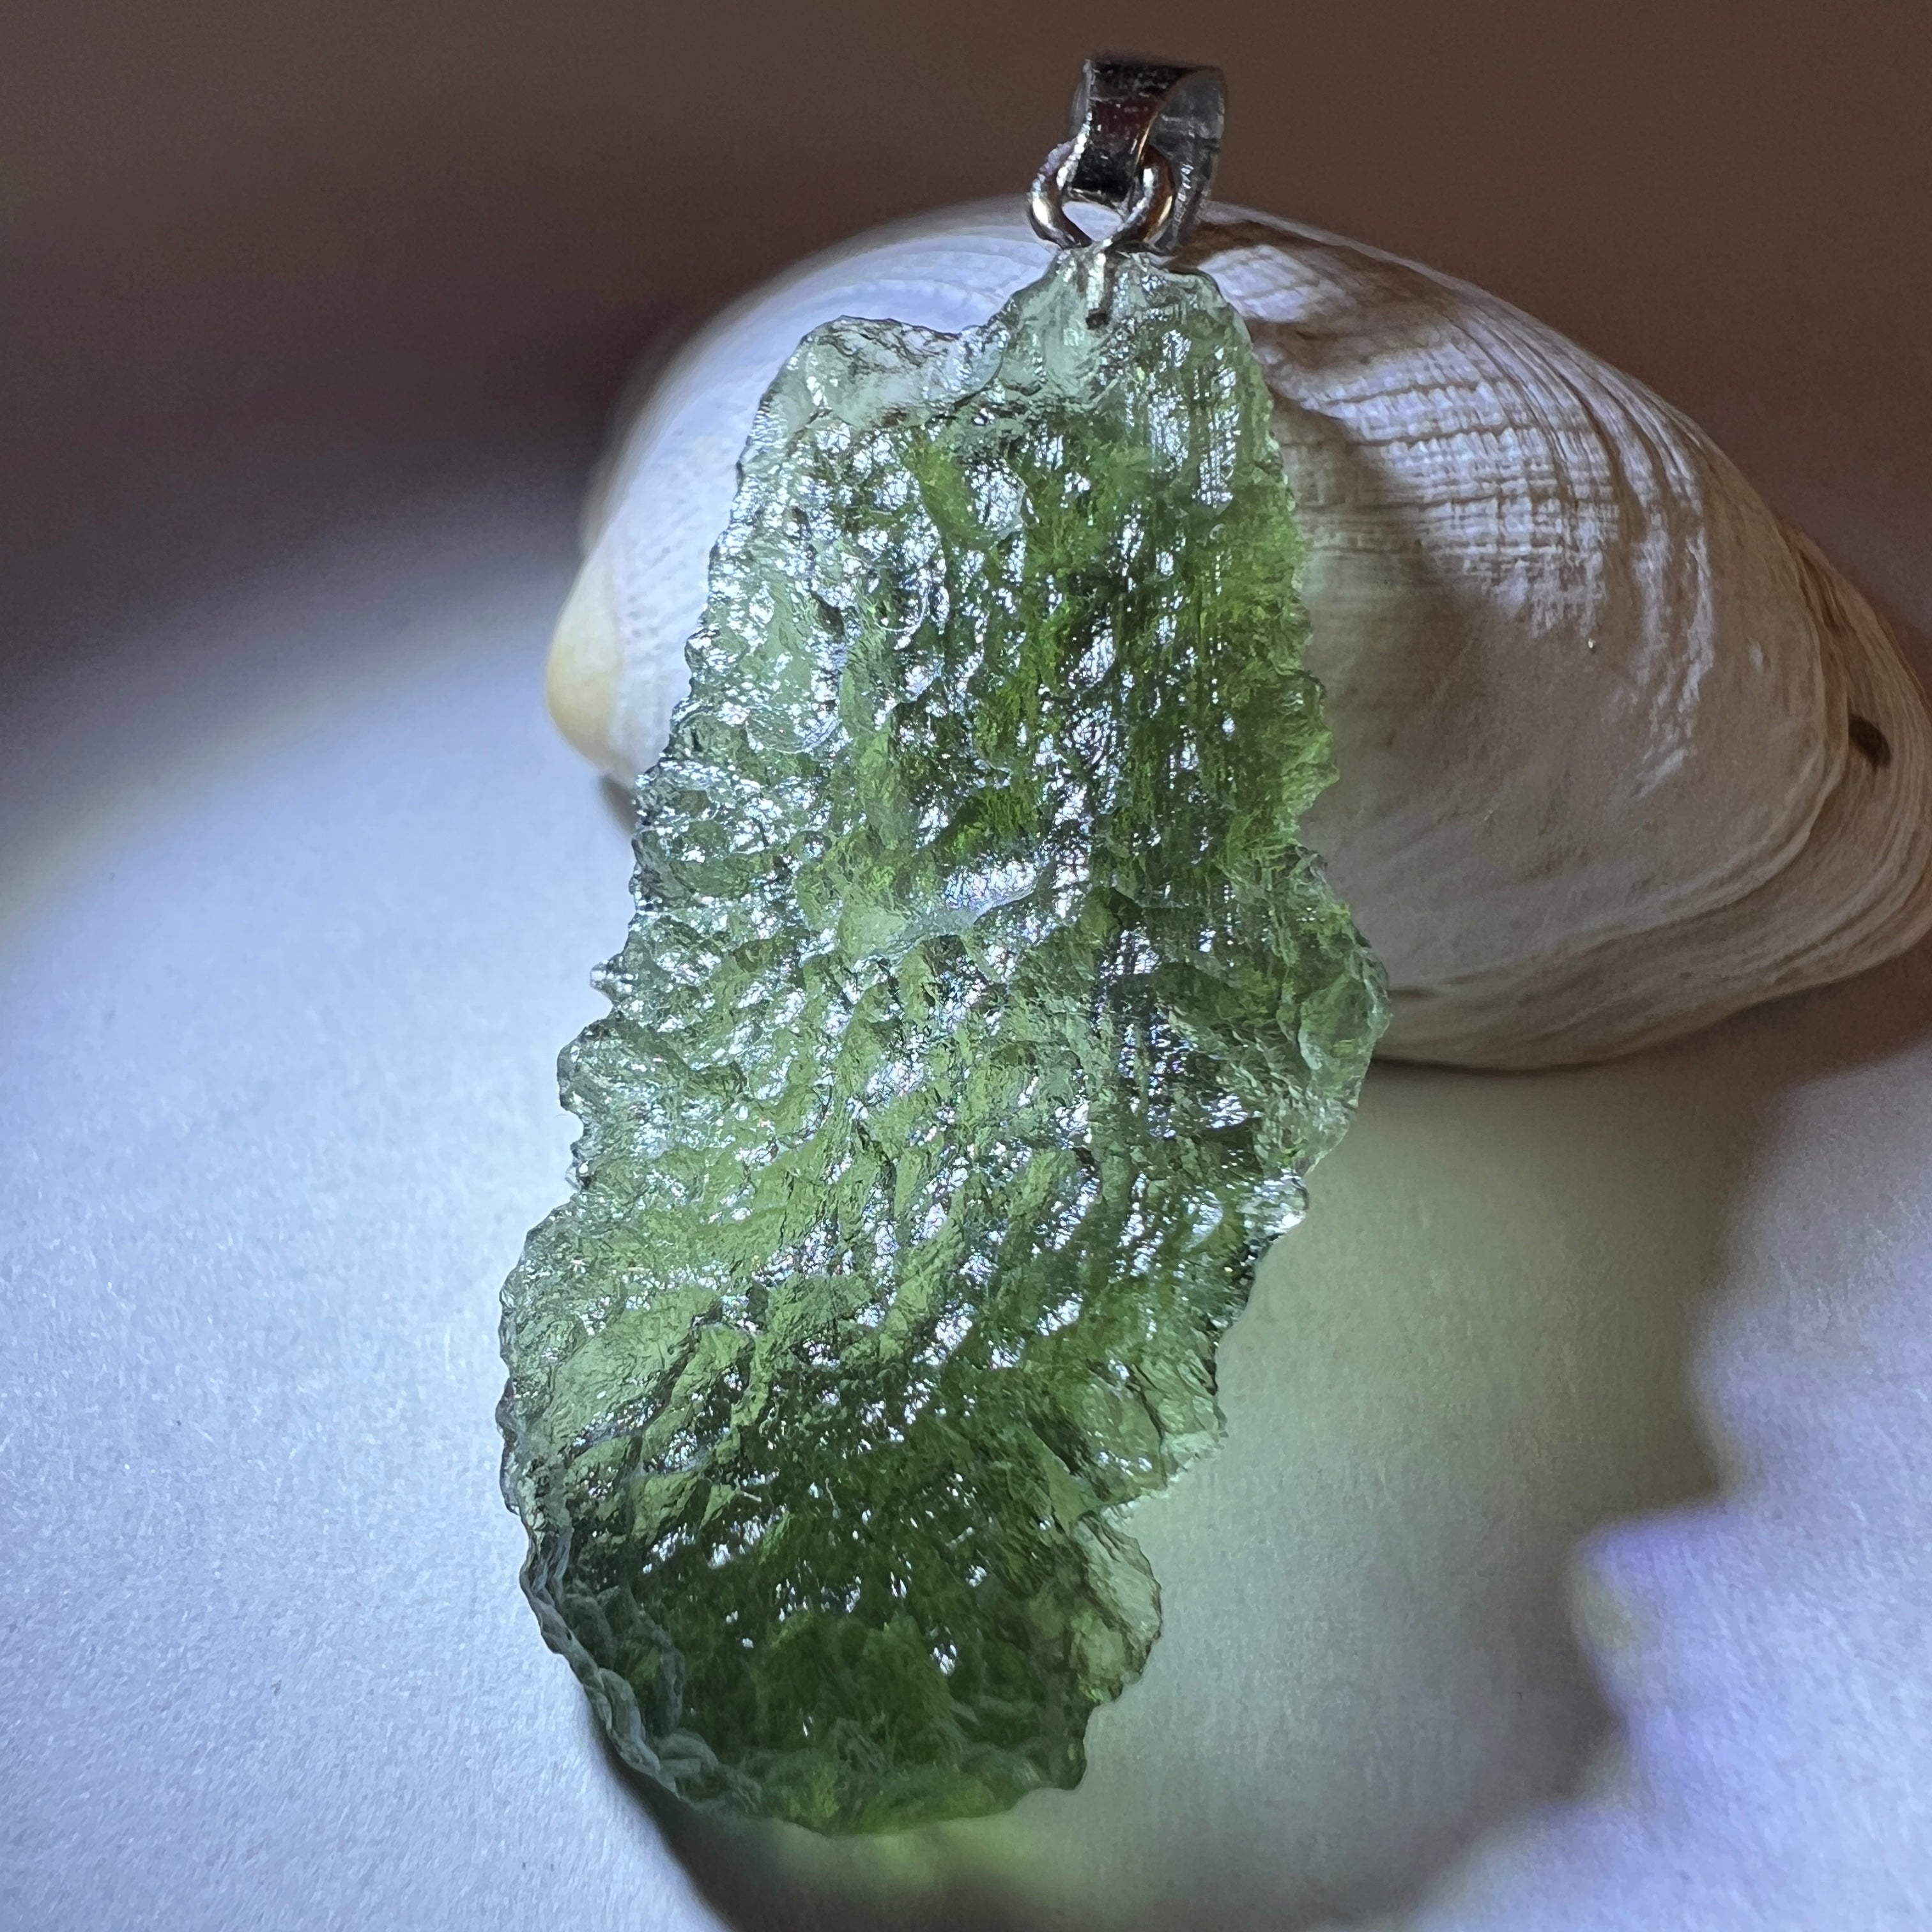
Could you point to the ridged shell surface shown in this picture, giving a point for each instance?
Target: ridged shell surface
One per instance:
(1619, 751)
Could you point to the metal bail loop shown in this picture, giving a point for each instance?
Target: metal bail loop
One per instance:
(1144, 139)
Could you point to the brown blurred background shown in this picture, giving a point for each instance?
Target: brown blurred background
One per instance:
(249, 243)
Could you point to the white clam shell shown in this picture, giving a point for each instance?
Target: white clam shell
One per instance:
(1619, 751)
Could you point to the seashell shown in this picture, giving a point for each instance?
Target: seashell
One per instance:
(1620, 752)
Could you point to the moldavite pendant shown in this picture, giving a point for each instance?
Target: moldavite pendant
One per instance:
(978, 1020)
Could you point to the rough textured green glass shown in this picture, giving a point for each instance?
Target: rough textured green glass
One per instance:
(979, 1019)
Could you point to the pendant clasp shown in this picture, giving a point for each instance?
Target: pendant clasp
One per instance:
(1143, 140)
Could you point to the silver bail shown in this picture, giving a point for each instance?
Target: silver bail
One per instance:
(1143, 140)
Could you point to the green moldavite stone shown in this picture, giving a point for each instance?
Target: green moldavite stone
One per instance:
(979, 1020)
